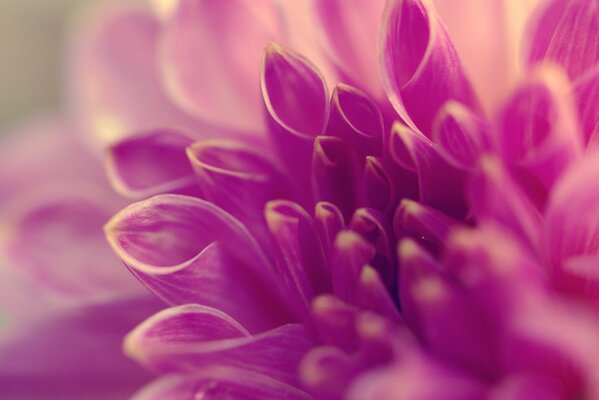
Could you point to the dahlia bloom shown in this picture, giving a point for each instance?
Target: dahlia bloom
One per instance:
(426, 231)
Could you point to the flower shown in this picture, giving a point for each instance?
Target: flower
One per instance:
(429, 230)
(288, 251)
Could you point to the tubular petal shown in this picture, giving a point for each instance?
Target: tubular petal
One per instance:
(420, 67)
(329, 221)
(148, 164)
(191, 338)
(189, 251)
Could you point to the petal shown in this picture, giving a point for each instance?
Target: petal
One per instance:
(114, 80)
(239, 179)
(372, 295)
(567, 34)
(350, 34)
(217, 383)
(335, 322)
(327, 371)
(207, 70)
(53, 234)
(297, 106)
(586, 93)
(539, 127)
(298, 252)
(350, 254)
(335, 173)
(420, 67)
(461, 135)
(356, 118)
(191, 338)
(148, 164)
(189, 251)
(329, 221)
(572, 216)
(440, 185)
(74, 354)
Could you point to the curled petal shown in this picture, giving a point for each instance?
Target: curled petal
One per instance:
(187, 251)
(423, 223)
(335, 321)
(217, 383)
(350, 29)
(566, 33)
(539, 129)
(114, 81)
(440, 185)
(572, 217)
(298, 251)
(378, 188)
(329, 221)
(461, 135)
(207, 70)
(238, 179)
(335, 173)
(327, 371)
(372, 294)
(421, 69)
(149, 164)
(356, 118)
(297, 106)
(190, 338)
(350, 254)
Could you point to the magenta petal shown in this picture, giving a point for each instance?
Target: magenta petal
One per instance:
(421, 69)
(440, 185)
(461, 135)
(539, 130)
(350, 254)
(372, 294)
(238, 179)
(298, 252)
(586, 93)
(327, 371)
(335, 322)
(114, 82)
(297, 106)
(350, 32)
(189, 251)
(494, 195)
(423, 223)
(567, 33)
(335, 173)
(356, 118)
(53, 235)
(149, 164)
(571, 228)
(378, 189)
(207, 70)
(416, 377)
(219, 383)
(191, 338)
(329, 221)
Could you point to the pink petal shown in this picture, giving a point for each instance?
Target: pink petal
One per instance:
(192, 338)
(297, 106)
(189, 251)
(114, 80)
(335, 322)
(216, 383)
(421, 69)
(207, 70)
(373, 295)
(350, 35)
(327, 371)
(329, 221)
(148, 164)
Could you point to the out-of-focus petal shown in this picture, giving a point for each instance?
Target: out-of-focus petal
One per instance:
(144, 165)
(586, 93)
(567, 33)
(350, 32)
(189, 251)
(114, 85)
(207, 70)
(216, 383)
(190, 338)
(74, 354)
(420, 66)
(296, 104)
(335, 321)
(327, 371)
(329, 221)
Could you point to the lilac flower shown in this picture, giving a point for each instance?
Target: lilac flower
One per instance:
(428, 230)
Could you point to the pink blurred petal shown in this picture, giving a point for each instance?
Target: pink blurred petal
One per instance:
(329, 221)
(420, 66)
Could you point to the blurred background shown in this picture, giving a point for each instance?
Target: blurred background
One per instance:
(31, 43)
